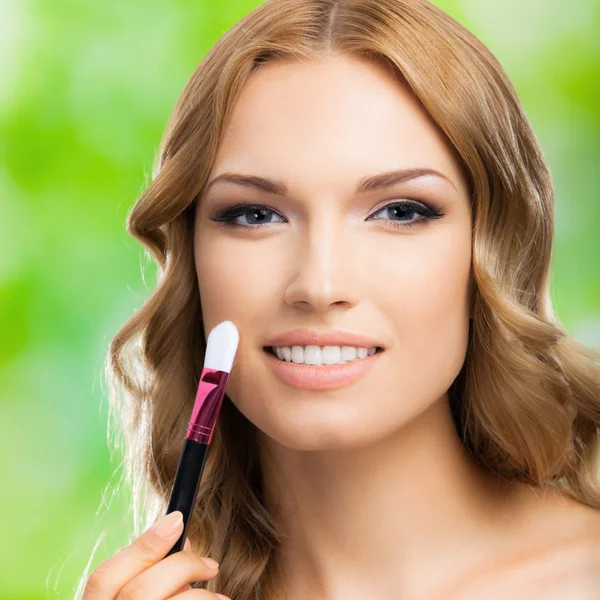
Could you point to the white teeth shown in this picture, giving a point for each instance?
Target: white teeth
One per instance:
(312, 355)
(297, 354)
(348, 353)
(332, 355)
(317, 355)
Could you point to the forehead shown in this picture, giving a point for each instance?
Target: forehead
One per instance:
(338, 117)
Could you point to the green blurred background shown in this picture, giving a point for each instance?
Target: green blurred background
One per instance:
(86, 89)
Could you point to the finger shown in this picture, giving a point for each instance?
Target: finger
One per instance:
(165, 578)
(187, 547)
(199, 595)
(153, 545)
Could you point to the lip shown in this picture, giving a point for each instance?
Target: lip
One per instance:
(330, 377)
(329, 337)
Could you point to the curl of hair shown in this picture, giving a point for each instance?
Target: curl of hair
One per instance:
(526, 403)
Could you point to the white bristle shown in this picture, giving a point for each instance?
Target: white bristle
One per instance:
(221, 346)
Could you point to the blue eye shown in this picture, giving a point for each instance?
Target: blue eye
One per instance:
(406, 213)
(256, 215)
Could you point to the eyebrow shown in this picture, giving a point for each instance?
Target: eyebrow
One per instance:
(367, 184)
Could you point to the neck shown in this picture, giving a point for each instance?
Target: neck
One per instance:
(400, 516)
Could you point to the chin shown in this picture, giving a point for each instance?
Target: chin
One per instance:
(325, 431)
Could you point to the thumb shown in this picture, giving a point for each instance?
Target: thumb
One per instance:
(132, 560)
(154, 543)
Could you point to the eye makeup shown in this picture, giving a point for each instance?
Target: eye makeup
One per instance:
(424, 211)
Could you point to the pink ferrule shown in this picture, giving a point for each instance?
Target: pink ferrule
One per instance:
(207, 405)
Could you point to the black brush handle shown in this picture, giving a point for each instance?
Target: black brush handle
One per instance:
(185, 486)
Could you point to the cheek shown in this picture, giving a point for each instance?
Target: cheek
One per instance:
(429, 304)
(424, 302)
(233, 284)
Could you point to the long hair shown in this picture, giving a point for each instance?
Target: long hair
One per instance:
(526, 403)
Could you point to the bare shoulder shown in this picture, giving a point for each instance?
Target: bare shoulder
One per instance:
(571, 572)
(565, 564)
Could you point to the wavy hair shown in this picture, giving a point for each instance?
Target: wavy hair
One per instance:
(526, 403)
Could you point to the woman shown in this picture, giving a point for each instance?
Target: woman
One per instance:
(364, 167)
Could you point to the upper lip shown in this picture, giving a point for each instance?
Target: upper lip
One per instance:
(329, 337)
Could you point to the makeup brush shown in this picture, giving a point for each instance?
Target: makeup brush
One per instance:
(221, 347)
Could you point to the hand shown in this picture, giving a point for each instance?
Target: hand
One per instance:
(138, 571)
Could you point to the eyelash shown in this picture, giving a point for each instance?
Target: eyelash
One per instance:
(428, 212)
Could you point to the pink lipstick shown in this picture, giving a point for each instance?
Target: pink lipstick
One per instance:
(325, 377)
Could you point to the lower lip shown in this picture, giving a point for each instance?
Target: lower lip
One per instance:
(330, 377)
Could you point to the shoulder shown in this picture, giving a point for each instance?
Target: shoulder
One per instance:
(563, 563)
(572, 571)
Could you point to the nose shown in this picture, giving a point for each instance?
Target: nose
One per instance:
(325, 272)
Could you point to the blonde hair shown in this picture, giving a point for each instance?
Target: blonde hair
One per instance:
(526, 402)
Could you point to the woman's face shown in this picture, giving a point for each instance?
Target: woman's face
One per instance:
(326, 256)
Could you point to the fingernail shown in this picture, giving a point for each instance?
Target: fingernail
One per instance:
(169, 524)
(211, 563)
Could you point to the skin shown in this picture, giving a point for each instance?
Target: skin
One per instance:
(141, 570)
(370, 482)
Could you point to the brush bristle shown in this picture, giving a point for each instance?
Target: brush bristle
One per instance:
(221, 346)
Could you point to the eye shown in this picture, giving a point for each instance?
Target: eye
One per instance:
(257, 215)
(409, 212)
(405, 213)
